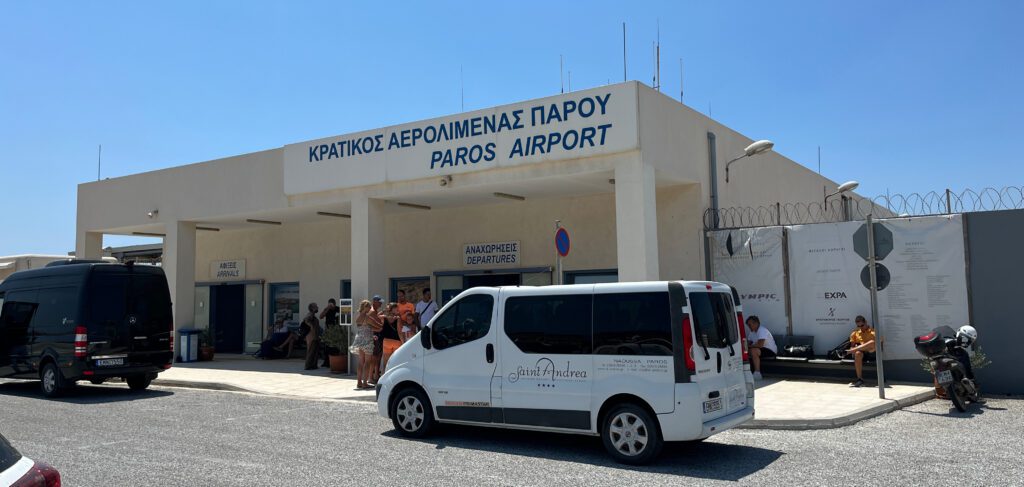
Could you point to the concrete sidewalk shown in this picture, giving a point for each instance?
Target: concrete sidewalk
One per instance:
(808, 404)
(284, 377)
(780, 404)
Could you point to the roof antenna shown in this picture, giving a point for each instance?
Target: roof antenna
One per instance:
(624, 52)
(819, 160)
(561, 72)
(657, 59)
(99, 162)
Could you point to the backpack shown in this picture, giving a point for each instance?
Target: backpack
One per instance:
(839, 352)
(802, 351)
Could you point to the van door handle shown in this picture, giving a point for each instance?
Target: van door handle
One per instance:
(490, 353)
(713, 394)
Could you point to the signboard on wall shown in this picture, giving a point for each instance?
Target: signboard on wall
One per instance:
(491, 254)
(227, 270)
(923, 282)
(585, 123)
(751, 260)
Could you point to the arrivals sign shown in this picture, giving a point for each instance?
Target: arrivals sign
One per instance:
(227, 270)
(574, 125)
(491, 254)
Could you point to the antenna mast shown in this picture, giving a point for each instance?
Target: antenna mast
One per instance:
(624, 78)
(561, 73)
(99, 162)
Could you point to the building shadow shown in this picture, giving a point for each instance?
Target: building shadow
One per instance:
(704, 460)
(83, 393)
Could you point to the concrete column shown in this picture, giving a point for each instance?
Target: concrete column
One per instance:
(89, 245)
(636, 221)
(179, 263)
(367, 249)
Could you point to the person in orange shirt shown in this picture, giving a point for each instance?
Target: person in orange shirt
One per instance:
(862, 346)
(406, 313)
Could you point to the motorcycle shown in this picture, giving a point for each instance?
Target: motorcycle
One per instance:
(951, 363)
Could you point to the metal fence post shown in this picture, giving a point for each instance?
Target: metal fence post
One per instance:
(879, 360)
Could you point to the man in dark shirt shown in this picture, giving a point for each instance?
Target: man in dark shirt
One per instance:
(330, 317)
(312, 336)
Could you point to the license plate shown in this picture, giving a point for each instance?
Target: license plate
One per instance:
(107, 362)
(944, 377)
(712, 405)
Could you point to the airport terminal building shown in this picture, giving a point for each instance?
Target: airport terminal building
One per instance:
(450, 203)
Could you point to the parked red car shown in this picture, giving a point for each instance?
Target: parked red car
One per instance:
(20, 471)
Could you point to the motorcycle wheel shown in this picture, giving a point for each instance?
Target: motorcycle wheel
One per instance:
(957, 397)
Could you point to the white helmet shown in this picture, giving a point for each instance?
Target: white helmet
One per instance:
(966, 335)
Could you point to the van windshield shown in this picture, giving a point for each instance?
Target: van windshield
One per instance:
(713, 318)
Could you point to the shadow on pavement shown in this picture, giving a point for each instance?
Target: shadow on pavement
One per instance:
(973, 409)
(82, 393)
(707, 460)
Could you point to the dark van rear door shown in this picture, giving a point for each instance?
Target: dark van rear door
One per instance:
(129, 311)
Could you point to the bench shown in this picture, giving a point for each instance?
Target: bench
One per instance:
(817, 366)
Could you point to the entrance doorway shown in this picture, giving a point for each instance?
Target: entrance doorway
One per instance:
(227, 317)
(491, 280)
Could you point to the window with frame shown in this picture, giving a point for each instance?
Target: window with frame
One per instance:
(714, 319)
(552, 324)
(632, 324)
(467, 320)
(58, 308)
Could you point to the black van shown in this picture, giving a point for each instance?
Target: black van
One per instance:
(85, 320)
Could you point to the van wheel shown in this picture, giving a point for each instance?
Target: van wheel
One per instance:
(411, 413)
(137, 382)
(631, 435)
(53, 382)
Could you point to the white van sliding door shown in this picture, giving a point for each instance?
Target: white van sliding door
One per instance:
(459, 365)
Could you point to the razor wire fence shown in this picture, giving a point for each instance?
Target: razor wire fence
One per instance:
(845, 208)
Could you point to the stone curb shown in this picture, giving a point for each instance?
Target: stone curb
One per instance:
(840, 421)
(217, 386)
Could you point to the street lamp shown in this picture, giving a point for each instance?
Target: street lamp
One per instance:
(751, 150)
(847, 186)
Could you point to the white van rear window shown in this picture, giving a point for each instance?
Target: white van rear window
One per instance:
(714, 319)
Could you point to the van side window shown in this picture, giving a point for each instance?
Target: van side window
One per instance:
(713, 318)
(632, 324)
(468, 320)
(15, 318)
(57, 310)
(554, 324)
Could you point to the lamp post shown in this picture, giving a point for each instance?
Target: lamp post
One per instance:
(843, 188)
(751, 150)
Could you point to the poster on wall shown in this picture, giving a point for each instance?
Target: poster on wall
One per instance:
(751, 261)
(921, 278)
(284, 300)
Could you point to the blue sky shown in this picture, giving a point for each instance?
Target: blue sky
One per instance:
(902, 96)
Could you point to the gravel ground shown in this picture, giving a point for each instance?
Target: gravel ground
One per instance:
(107, 435)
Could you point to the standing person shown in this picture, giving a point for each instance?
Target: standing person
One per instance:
(389, 334)
(425, 309)
(362, 345)
(330, 317)
(761, 343)
(862, 346)
(376, 315)
(406, 313)
(312, 336)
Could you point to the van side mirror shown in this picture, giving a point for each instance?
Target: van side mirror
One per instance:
(425, 337)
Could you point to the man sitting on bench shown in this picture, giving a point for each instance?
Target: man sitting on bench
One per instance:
(862, 346)
(761, 344)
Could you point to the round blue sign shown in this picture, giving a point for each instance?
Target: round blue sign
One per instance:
(562, 242)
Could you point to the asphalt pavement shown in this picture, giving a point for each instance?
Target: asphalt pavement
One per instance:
(108, 435)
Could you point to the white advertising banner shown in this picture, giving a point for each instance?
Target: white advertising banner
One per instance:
(574, 125)
(921, 276)
(751, 261)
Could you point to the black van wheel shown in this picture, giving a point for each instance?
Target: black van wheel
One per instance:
(631, 435)
(52, 381)
(138, 382)
(411, 413)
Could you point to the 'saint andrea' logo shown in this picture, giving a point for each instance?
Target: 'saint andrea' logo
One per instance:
(545, 369)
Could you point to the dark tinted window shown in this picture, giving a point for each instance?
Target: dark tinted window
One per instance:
(107, 303)
(112, 297)
(713, 319)
(58, 310)
(550, 324)
(467, 320)
(8, 455)
(632, 324)
(149, 301)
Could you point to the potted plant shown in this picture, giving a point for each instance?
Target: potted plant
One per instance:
(336, 341)
(205, 346)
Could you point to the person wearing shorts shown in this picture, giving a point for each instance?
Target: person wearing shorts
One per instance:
(390, 336)
(376, 315)
(862, 347)
(761, 344)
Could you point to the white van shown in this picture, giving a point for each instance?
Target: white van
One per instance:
(636, 363)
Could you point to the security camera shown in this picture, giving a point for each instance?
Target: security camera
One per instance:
(445, 180)
(153, 214)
